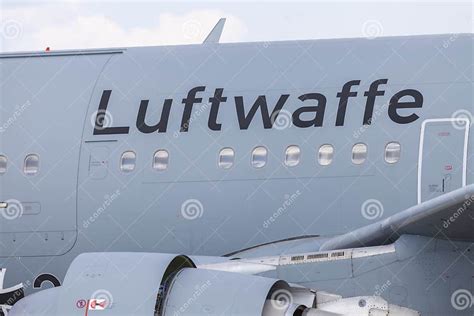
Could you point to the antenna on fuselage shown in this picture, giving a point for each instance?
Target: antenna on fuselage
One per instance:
(215, 35)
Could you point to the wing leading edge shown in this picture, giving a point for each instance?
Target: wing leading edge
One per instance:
(450, 216)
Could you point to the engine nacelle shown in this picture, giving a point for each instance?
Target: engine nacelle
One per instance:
(171, 285)
(149, 284)
(116, 283)
(207, 292)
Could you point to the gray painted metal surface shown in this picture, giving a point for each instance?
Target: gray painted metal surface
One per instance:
(80, 200)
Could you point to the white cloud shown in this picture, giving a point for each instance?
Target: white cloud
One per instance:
(63, 24)
(65, 27)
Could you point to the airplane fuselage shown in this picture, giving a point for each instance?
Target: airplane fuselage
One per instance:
(122, 149)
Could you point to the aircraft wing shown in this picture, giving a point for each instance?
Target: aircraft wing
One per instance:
(450, 216)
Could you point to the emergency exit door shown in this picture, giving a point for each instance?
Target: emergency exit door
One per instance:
(442, 157)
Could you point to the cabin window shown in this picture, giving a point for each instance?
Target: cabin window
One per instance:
(259, 157)
(392, 152)
(292, 156)
(3, 164)
(128, 161)
(325, 155)
(226, 158)
(359, 153)
(160, 160)
(31, 165)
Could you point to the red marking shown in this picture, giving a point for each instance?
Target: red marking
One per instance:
(48, 49)
(448, 167)
(94, 304)
(87, 308)
(441, 134)
(81, 303)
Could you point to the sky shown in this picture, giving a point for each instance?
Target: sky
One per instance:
(80, 24)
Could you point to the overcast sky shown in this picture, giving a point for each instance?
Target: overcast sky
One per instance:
(68, 24)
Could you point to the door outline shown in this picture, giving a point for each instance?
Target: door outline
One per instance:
(420, 150)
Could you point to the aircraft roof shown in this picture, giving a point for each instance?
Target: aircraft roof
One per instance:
(95, 51)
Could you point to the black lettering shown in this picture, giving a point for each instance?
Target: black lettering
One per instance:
(161, 126)
(318, 111)
(261, 102)
(188, 102)
(395, 105)
(215, 103)
(371, 95)
(344, 96)
(101, 116)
